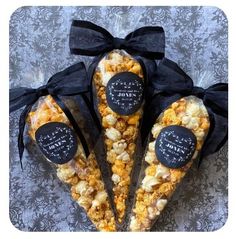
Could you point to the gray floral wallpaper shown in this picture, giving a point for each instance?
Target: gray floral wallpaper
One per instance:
(196, 38)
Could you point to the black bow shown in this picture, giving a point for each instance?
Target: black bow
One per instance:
(69, 82)
(89, 39)
(170, 83)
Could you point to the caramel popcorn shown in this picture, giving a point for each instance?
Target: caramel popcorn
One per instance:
(131, 148)
(121, 125)
(120, 130)
(159, 182)
(83, 175)
(111, 156)
(151, 170)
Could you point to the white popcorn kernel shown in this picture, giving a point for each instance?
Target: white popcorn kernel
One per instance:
(113, 134)
(185, 119)
(101, 197)
(116, 58)
(151, 146)
(84, 202)
(89, 191)
(65, 173)
(156, 129)
(195, 120)
(193, 123)
(152, 213)
(204, 112)
(106, 77)
(162, 171)
(95, 203)
(115, 178)
(124, 156)
(119, 146)
(134, 225)
(110, 119)
(161, 204)
(193, 109)
(148, 182)
(150, 157)
(82, 187)
(181, 114)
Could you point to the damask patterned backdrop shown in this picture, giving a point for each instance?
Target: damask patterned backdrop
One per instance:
(196, 38)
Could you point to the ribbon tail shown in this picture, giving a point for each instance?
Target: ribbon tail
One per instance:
(199, 161)
(21, 145)
(91, 71)
(73, 123)
(92, 112)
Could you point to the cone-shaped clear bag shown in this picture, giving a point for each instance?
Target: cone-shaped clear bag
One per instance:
(175, 141)
(81, 174)
(119, 84)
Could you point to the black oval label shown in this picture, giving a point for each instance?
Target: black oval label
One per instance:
(57, 141)
(124, 93)
(175, 146)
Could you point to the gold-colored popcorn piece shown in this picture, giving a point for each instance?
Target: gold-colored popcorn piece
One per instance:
(157, 182)
(82, 175)
(120, 131)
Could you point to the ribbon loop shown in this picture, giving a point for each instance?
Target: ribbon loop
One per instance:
(170, 78)
(89, 39)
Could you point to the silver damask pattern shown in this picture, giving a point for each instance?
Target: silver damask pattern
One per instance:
(196, 38)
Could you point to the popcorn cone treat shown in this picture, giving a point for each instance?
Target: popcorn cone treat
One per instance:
(119, 82)
(120, 124)
(184, 123)
(81, 174)
(158, 181)
(56, 132)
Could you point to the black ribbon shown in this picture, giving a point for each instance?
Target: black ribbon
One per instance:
(89, 39)
(69, 82)
(170, 83)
